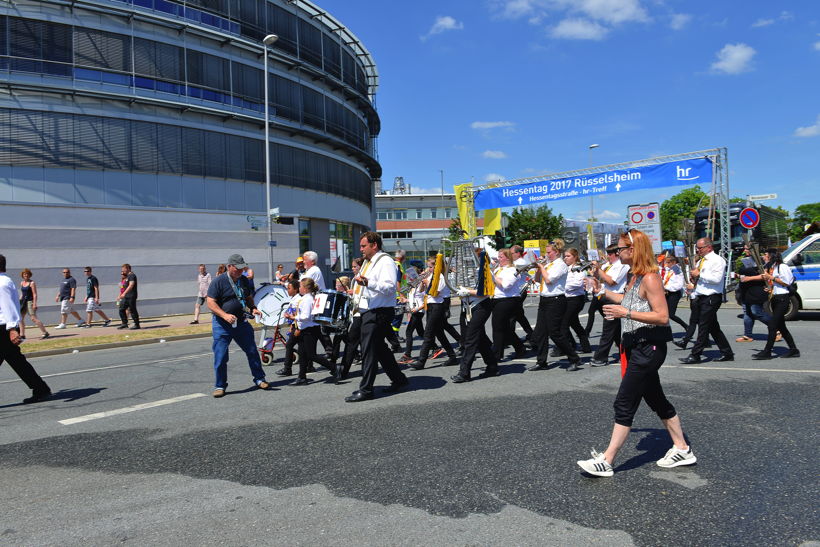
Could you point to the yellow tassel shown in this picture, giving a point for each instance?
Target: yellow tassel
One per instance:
(434, 282)
(489, 285)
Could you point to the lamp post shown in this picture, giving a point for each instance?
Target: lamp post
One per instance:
(591, 199)
(443, 204)
(267, 41)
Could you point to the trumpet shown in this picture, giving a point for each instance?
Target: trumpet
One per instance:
(583, 266)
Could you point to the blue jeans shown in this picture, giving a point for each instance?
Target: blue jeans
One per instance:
(223, 333)
(752, 312)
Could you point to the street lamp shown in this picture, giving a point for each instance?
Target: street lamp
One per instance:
(591, 199)
(267, 41)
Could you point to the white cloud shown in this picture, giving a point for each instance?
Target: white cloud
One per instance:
(491, 125)
(734, 59)
(810, 131)
(514, 9)
(579, 29)
(606, 214)
(679, 21)
(494, 155)
(494, 177)
(443, 23)
(762, 23)
(610, 11)
(817, 46)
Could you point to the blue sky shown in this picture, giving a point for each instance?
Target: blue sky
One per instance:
(484, 89)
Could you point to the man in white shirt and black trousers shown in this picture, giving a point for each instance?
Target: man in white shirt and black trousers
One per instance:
(710, 273)
(614, 280)
(10, 339)
(374, 294)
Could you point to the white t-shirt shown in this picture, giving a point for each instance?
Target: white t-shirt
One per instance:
(553, 284)
(712, 271)
(380, 291)
(508, 286)
(617, 271)
(784, 274)
(574, 285)
(315, 274)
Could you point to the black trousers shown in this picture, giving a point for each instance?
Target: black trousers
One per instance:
(376, 327)
(610, 334)
(571, 321)
(307, 340)
(521, 318)
(596, 305)
(434, 330)
(672, 300)
(415, 325)
(641, 381)
(20, 365)
(290, 348)
(780, 305)
(694, 317)
(551, 311)
(354, 338)
(708, 325)
(504, 310)
(129, 303)
(475, 340)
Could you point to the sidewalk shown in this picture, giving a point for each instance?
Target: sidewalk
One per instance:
(154, 329)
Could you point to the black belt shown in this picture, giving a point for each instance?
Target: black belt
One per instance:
(554, 297)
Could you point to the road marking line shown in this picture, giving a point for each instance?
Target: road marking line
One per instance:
(107, 413)
(513, 361)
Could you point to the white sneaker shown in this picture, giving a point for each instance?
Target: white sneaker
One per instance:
(81, 324)
(675, 457)
(60, 326)
(597, 466)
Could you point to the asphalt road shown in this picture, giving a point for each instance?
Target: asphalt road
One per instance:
(491, 462)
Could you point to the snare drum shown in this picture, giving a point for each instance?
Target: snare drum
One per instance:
(331, 309)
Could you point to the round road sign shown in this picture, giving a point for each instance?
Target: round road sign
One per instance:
(637, 217)
(749, 218)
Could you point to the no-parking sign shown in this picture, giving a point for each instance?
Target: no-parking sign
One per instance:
(749, 218)
(647, 218)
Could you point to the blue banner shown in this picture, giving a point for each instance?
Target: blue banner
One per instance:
(676, 173)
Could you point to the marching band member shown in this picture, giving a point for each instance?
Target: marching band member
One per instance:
(673, 285)
(575, 291)
(781, 278)
(415, 300)
(436, 317)
(708, 291)
(523, 282)
(507, 301)
(354, 333)
(614, 280)
(342, 286)
(477, 303)
(551, 308)
(376, 288)
(308, 333)
(292, 286)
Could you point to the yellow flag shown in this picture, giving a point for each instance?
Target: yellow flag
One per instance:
(466, 213)
(492, 221)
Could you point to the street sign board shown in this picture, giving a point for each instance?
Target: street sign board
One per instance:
(749, 218)
(272, 243)
(762, 197)
(647, 218)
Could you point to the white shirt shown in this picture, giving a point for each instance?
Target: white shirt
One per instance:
(304, 312)
(784, 274)
(673, 279)
(9, 304)
(574, 285)
(617, 271)
(381, 277)
(315, 274)
(553, 284)
(508, 287)
(443, 292)
(416, 298)
(712, 271)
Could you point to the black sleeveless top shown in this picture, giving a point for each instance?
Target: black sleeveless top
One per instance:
(26, 294)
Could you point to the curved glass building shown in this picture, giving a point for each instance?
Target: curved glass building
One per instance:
(133, 131)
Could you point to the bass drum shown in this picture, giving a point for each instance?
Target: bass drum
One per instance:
(331, 309)
(271, 300)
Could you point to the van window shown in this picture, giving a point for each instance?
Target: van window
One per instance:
(811, 254)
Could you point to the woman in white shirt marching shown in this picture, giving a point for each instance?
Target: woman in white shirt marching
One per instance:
(308, 333)
(781, 277)
(575, 290)
(505, 305)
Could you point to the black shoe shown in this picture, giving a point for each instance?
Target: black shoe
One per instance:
(451, 362)
(124, 326)
(521, 354)
(284, 372)
(762, 356)
(311, 368)
(337, 374)
(459, 379)
(598, 363)
(395, 387)
(725, 357)
(416, 365)
(37, 397)
(690, 360)
(538, 366)
(135, 327)
(490, 372)
(791, 353)
(573, 366)
(681, 343)
(358, 396)
(300, 382)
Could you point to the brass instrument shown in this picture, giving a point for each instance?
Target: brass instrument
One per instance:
(583, 266)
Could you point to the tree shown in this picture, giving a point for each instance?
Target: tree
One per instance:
(533, 223)
(803, 214)
(677, 208)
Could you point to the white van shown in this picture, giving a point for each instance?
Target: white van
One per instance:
(804, 259)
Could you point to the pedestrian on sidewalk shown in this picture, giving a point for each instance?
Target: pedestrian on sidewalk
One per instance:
(128, 299)
(10, 339)
(28, 304)
(92, 299)
(230, 300)
(203, 282)
(65, 296)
